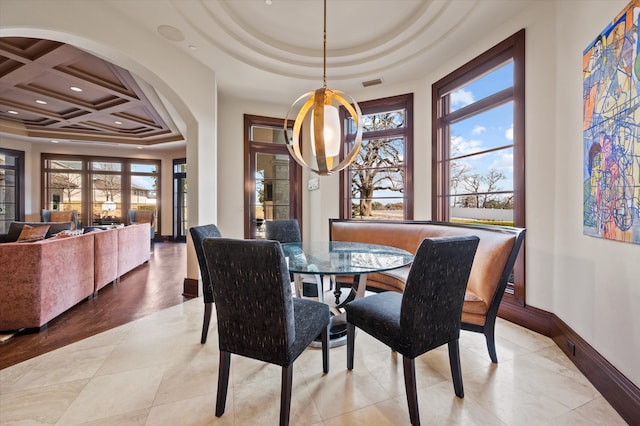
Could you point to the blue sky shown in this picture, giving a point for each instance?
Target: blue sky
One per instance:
(490, 129)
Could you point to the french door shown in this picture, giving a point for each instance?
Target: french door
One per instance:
(273, 180)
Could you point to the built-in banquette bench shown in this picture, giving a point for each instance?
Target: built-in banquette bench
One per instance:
(42, 279)
(492, 265)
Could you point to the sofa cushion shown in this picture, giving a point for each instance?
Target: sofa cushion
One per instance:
(33, 233)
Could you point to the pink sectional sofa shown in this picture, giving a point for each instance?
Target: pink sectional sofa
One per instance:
(42, 279)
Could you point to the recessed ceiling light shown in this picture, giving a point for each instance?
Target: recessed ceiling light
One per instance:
(139, 147)
(12, 112)
(75, 89)
(41, 102)
(55, 141)
(170, 33)
(118, 122)
(192, 47)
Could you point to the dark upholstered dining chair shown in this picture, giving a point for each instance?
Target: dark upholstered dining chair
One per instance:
(198, 234)
(427, 315)
(288, 231)
(256, 314)
(61, 216)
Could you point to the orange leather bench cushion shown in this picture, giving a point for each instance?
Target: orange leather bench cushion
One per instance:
(488, 265)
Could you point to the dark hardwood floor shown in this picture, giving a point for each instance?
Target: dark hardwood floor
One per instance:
(147, 289)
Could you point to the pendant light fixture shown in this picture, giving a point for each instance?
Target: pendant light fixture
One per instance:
(322, 105)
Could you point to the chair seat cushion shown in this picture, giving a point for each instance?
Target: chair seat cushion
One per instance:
(379, 316)
(310, 318)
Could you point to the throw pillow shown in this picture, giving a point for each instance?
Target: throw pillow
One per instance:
(33, 233)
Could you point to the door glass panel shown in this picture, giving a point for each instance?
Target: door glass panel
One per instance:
(144, 192)
(271, 200)
(268, 134)
(106, 198)
(64, 191)
(183, 205)
(7, 160)
(7, 197)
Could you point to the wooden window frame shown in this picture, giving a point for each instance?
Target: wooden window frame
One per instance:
(375, 106)
(86, 173)
(20, 181)
(513, 48)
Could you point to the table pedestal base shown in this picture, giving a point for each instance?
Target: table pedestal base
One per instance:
(337, 332)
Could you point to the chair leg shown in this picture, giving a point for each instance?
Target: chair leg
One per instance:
(351, 340)
(285, 395)
(223, 382)
(411, 389)
(208, 307)
(325, 349)
(319, 284)
(489, 333)
(456, 370)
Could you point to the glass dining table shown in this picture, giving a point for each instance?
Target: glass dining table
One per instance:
(341, 258)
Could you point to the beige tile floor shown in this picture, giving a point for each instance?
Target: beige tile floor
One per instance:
(154, 371)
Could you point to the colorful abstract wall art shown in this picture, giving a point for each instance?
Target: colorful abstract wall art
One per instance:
(611, 129)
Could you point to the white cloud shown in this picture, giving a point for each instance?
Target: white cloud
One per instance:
(478, 129)
(461, 98)
(504, 163)
(461, 146)
(509, 133)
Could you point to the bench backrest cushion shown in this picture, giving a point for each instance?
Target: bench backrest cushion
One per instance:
(488, 266)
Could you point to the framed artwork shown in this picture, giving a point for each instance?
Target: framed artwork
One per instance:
(611, 130)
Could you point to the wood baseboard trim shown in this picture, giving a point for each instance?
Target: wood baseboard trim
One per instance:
(527, 316)
(619, 391)
(190, 288)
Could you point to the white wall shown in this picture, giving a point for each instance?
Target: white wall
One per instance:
(596, 282)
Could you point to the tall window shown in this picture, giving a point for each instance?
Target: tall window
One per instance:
(379, 183)
(102, 190)
(478, 142)
(273, 181)
(11, 187)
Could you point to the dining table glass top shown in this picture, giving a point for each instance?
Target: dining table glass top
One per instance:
(343, 258)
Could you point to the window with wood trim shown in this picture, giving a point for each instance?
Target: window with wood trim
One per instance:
(379, 183)
(11, 187)
(478, 143)
(101, 189)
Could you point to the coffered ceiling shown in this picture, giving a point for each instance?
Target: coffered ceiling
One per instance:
(55, 91)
